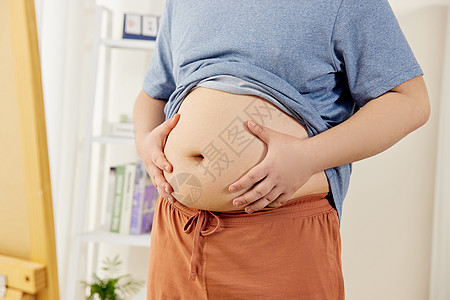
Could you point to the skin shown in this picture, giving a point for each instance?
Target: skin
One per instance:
(185, 144)
(374, 128)
(212, 144)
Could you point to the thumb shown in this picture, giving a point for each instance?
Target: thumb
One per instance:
(169, 124)
(264, 133)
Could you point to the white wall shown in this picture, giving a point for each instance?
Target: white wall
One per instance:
(440, 259)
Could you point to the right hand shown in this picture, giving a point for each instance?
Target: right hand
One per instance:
(152, 154)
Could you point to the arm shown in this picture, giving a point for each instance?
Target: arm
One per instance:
(380, 124)
(150, 137)
(374, 128)
(148, 113)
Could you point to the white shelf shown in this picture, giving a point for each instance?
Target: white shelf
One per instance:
(142, 240)
(105, 139)
(84, 260)
(129, 44)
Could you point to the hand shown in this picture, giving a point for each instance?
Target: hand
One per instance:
(287, 166)
(152, 154)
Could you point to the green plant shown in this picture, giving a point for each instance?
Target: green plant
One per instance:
(112, 288)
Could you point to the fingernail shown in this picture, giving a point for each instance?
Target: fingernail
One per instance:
(252, 123)
(249, 210)
(167, 190)
(167, 168)
(237, 203)
(170, 199)
(232, 188)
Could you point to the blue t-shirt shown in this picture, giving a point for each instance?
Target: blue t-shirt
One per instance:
(318, 60)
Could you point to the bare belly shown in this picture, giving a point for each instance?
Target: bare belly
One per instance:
(211, 147)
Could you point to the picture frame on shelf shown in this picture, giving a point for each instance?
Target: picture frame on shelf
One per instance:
(140, 27)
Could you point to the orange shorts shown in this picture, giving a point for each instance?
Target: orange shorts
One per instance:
(289, 252)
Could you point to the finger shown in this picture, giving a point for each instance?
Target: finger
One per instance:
(151, 168)
(168, 125)
(250, 178)
(162, 192)
(163, 187)
(282, 199)
(262, 132)
(263, 202)
(257, 192)
(160, 160)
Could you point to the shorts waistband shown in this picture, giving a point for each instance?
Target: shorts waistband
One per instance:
(302, 206)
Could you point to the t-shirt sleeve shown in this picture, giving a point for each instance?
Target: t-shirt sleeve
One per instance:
(159, 81)
(371, 50)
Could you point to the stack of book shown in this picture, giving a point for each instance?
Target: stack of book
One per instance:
(131, 199)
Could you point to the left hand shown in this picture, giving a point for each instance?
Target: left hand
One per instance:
(287, 166)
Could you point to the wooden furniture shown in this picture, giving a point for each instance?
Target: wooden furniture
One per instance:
(27, 239)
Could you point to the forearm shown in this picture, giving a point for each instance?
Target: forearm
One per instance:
(380, 124)
(290, 162)
(148, 113)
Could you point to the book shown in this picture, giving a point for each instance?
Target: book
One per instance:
(127, 198)
(117, 202)
(149, 26)
(110, 196)
(138, 198)
(148, 207)
(132, 24)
